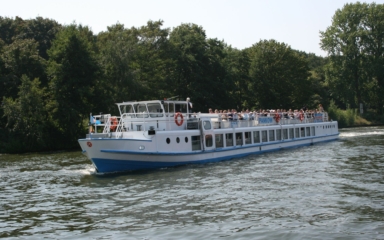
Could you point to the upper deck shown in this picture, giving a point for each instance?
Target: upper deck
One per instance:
(169, 115)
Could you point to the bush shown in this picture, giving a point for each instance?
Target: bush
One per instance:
(345, 118)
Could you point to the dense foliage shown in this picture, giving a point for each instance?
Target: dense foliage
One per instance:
(53, 76)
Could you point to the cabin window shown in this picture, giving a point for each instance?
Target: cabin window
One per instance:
(248, 137)
(297, 132)
(219, 140)
(302, 132)
(178, 140)
(127, 110)
(208, 140)
(207, 125)
(239, 139)
(285, 133)
(141, 110)
(308, 131)
(181, 107)
(169, 109)
(313, 131)
(196, 143)
(264, 136)
(168, 140)
(278, 134)
(229, 139)
(271, 135)
(155, 110)
(291, 134)
(256, 137)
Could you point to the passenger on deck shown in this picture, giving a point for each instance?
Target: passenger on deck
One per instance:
(235, 117)
(189, 106)
(321, 109)
(224, 116)
(230, 115)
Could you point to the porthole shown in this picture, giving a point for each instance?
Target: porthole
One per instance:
(186, 139)
(168, 140)
(177, 139)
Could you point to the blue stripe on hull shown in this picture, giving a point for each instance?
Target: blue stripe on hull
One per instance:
(111, 165)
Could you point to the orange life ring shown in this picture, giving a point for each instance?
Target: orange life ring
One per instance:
(277, 117)
(301, 117)
(177, 115)
(113, 123)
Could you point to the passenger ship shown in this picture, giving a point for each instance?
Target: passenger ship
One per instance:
(162, 133)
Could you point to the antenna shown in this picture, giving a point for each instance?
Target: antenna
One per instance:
(171, 98)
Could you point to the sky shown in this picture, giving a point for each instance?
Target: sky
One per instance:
(239, 23)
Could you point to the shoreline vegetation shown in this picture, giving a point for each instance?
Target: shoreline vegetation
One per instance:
(350, 118)
(52, 76)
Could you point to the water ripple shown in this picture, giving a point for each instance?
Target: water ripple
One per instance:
(326, 191)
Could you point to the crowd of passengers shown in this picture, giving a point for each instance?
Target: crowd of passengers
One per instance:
(252, 115)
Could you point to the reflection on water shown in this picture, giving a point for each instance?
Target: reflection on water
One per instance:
(326, 191)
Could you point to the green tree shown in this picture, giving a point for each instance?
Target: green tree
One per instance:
(27, 117)
(73, 72)
(117, 51)
(343, 41)
(19, 58)
(189, 73)
(279, 75)
(373, 23)
(9, 28)
(152, 60)
(237, 84)
(354, 43)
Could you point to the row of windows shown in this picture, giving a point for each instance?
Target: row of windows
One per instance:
(251, 137)
(240, 138)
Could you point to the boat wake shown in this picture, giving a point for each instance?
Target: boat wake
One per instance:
(358, 134)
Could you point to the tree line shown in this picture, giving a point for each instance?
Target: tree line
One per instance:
(52, 76)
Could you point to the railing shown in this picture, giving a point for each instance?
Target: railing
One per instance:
(118, 125)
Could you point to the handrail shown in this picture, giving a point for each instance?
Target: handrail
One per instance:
(143, 124)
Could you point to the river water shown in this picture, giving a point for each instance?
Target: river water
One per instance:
(332, 190)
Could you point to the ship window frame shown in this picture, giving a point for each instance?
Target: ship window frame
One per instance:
(239, 139)
(256, 137)
(291, 133)
(272, 137)
(248, 137)
(297, 132)
(208, 140)
(195, 142)
(155, 110)
(285, 134)
(219, 140)
(229, 139)
(207, 125)
(278, 135)
(264, 136)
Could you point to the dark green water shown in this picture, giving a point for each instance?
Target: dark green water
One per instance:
(332, 190)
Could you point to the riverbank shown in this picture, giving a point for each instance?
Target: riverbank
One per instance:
(352, 118)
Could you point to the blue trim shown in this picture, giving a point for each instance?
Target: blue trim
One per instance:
(112, 165)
